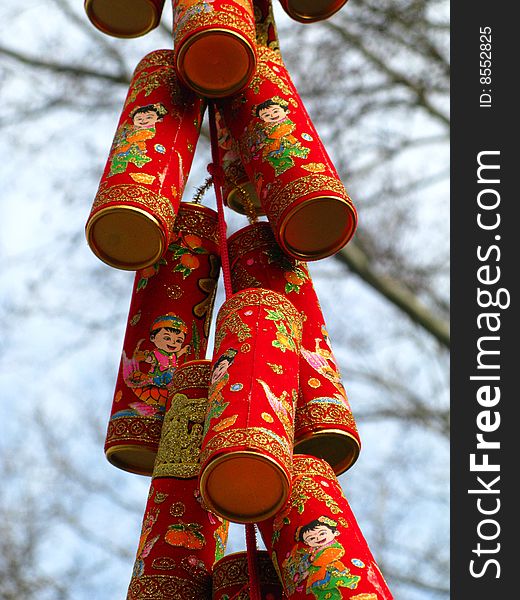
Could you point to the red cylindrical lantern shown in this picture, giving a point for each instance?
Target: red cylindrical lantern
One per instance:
(231, 578)
(237, 191)
(214, 44)
(306, 203)
(124, 18)
(168, 324)
(310, 11)
(316, 543)
(247, 447)
(180, 539)
(266, 32)
(141, 188)
(324, 424)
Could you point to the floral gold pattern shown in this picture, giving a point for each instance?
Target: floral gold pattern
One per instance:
(233, 570)
(146, 430)
(127, 194)
(325, 413)
(223, 18)
(157, 58)
(158, 587)
(255, 438)
(260, 297)
(280, 195)
(308, 465)
(198, 220)
(194, 375)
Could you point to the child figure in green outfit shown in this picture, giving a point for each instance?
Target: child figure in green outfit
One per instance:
(129, 144)
(274, 138)
(318, 565)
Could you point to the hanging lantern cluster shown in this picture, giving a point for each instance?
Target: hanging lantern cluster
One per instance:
(258, 433)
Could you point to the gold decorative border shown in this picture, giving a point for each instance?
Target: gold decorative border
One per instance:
(135, 194)
(141, 429)
(252, 438)
(191, 375)
(267, 54)
(233, 570)
(312, 415)
(282, 196)
(312, 466)
(160, 587)
(199, 220)
(250, 238)
(260, 297)
(218, 18)
(155, 59)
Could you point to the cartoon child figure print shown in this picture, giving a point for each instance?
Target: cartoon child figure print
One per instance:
(129, 144)
(273, 137)
(317, 565)
(168, 335)
(219, 379)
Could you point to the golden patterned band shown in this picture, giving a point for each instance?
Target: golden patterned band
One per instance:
(252, 237)
(252, 438)
(268, 54)
(260, 297)
(142, 429)
(157, 58)
(221, 18)
(160, 587)
(282, 196)
(181, 438)
(309, 415)
(193, 374)
(199, 220)
(233, 570)
(312, 466)
(125, 194)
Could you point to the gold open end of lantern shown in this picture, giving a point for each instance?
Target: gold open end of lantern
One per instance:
(338, 448)
(318, 227)
(216, 63)
(134, 459)
(124, 19)
(244, 486)
(125, 237)
(308, 11)
(244, 200)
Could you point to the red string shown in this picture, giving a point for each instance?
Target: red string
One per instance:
(252, 562)
(215, 171)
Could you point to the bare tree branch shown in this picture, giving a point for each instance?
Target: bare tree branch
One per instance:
(359, 263)
(55, 67)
